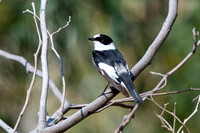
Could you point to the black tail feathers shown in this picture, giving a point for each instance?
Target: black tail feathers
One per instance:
(131, 88)
(135, 94)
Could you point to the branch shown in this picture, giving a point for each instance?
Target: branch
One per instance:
(179, 65)
(6, 127)
(174, 122)
(83, 113)
(64, 104)
(171, 113)
(30, 68)
(158, 42)
(127, 119)
(61, 63)
(193, 113)
(34, 73)
(165, 123)
(175, 92)
(43, 99)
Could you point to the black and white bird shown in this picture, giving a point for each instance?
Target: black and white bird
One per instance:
(111, 65)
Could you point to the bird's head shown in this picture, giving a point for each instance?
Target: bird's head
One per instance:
(102, 42)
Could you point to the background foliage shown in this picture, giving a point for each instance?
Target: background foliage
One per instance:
(133, 25)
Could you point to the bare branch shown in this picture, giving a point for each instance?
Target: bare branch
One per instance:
(127, 119)
(191, 115)
(161, 114)
(83, 113)
(64, 104)
(30, 68)
(174, 122)
(34, 73)
(43, 100)
(157, 43)
(171, 113)
(61, 63)
(163, 80)
(6, 127)
(165, 123)
(67, 24)
(176, 92)
(164, 77)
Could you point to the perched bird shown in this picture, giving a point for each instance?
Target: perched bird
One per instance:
(111, 65)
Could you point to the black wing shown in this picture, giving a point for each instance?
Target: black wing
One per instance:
(110, 57)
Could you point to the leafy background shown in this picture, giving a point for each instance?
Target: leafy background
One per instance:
(133, 25)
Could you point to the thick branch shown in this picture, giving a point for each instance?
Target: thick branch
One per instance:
(82, 113)
(45, 81)
(157, 43)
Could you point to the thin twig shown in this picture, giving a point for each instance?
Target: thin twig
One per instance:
(164, 77)
(127, 120)
(174, 122)
(191, 115)
(161, 114)
(177, 66)
(147, 94)
(67, 24)
(27, 10)
(34, 73)
(171, 113)
(165, 123)
(60, 59)
(175, 92)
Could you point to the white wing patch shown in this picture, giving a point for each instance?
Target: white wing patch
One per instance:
(110, 71)
(120, 68)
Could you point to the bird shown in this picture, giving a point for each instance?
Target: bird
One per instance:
(110, 63)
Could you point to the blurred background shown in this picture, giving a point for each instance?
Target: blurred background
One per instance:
(133, 25)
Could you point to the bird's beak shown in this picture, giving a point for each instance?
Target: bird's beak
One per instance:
(91, 39)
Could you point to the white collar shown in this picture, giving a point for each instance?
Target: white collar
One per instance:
(101, 47)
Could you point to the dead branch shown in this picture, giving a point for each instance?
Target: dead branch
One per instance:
(171, 113)
(127, 119)
(159, 40)
(6, 127)
(34, 72)
(43, 100)
(82, 113)
(191, 115)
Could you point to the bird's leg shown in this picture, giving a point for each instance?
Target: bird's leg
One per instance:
(107, 84)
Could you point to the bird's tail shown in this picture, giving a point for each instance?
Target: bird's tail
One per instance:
(131, 88)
